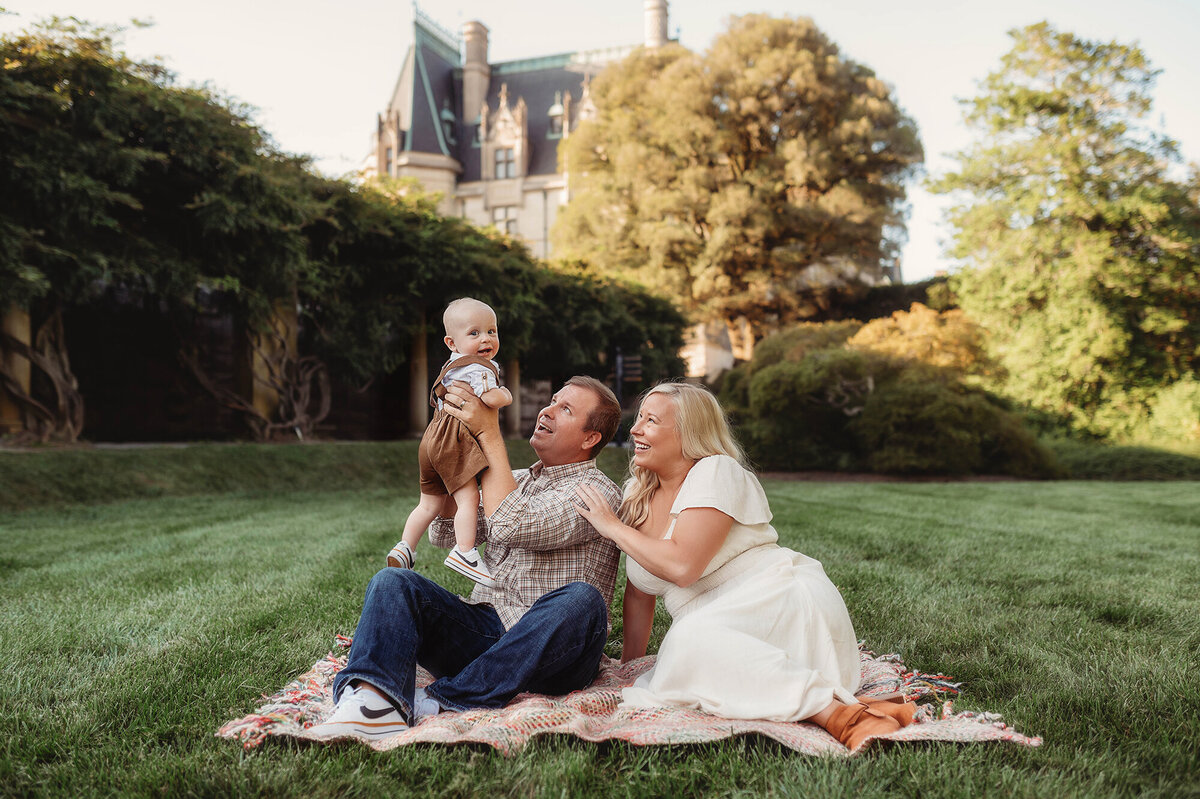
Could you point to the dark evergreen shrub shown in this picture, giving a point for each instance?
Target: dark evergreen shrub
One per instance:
(919, 427)
(798, 410)
(785, 427)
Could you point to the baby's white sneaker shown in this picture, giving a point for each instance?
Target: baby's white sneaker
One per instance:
(469, 564)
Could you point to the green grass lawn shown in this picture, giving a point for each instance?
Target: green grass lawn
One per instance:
(133, 628)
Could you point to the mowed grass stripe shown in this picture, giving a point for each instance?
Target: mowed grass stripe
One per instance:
(133, 629)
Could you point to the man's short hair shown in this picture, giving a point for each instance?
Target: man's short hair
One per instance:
(605, 418)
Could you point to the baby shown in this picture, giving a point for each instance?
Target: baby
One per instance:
(449, 455)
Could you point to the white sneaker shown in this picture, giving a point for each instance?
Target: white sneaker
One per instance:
(401, 557)
(424, 705)
(361, 713)
(469, 564)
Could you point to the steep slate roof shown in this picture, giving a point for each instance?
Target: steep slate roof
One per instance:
(402, 95)
(431, 80)
(535, 80)
(433, 89)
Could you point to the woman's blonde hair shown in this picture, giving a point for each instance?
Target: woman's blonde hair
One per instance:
(703, 431)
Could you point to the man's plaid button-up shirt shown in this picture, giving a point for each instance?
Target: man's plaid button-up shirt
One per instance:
(537, 541)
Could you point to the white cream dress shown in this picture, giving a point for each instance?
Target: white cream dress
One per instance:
(763, 634)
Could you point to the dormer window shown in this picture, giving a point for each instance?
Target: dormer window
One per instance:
(448, 123)
(505, 145)
(387, 161)
(555, 129)
(506, 163)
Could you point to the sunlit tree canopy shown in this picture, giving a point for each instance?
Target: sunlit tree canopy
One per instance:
(738, 179)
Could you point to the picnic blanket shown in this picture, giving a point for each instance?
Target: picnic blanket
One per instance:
(593, 714)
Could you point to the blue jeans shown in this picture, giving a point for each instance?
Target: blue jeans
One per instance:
(407, 619)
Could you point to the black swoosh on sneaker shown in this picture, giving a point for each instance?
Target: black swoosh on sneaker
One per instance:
(472, 563)
(376, 713)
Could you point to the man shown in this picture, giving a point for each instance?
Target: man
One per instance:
(543, 628)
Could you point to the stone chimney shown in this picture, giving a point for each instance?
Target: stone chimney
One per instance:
(476, 71)
(656, 22)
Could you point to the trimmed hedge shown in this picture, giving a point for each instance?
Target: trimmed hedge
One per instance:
(1098, 461)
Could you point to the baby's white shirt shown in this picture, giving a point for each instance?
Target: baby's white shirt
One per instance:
(479, 376)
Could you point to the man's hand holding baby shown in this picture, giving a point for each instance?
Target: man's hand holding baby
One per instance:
(461, 403)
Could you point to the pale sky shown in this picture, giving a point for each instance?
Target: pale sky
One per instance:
(319, 70)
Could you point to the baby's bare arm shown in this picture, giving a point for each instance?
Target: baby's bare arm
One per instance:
(497, 397)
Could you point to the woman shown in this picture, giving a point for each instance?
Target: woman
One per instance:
(758, 631)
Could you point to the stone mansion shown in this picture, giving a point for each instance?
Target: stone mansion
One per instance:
(485, 135)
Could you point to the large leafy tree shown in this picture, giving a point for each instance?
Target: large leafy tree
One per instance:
(742, 181)
(66, 175)
(1082, 254)
(111, 177)
(68, 169)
